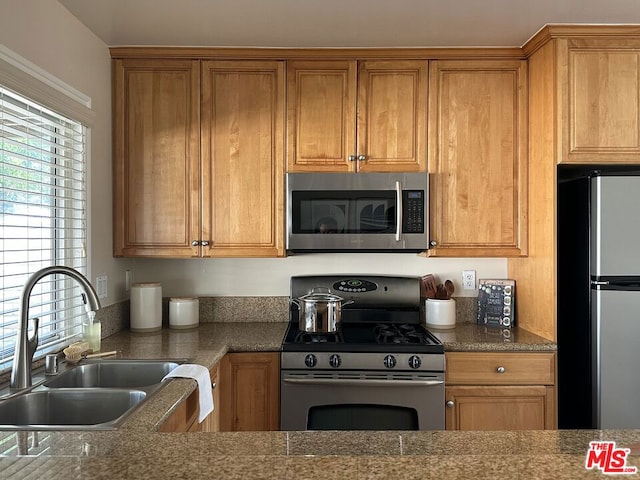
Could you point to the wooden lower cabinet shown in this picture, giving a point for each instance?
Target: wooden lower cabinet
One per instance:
(185, 417)
(500, 391)
(250, 399)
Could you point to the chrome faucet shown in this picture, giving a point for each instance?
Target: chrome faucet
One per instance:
(25, 346)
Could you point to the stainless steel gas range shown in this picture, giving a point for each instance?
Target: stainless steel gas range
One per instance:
(381, 370)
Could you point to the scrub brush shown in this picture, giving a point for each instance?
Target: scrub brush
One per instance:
(78, 351)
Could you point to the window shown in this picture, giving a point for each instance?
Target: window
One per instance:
(42, 220)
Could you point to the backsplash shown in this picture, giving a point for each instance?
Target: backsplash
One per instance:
(242, 309)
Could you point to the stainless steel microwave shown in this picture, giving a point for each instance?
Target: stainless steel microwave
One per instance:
(366, 212)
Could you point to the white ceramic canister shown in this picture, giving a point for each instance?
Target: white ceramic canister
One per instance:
(440, 313)
(184, 312)
(146, 307)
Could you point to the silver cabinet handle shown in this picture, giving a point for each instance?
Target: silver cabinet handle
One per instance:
(195, 243)
(213, 385)
(449, 404)
(500, 369)
(433, 243)
(362, 158)
(204, 243)
(352, 158)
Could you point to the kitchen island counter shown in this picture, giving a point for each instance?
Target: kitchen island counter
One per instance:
(322, 455)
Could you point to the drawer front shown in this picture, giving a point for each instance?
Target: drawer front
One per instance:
(472, 368)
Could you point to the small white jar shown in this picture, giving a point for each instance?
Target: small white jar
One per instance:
(184, 312)
(440, 314)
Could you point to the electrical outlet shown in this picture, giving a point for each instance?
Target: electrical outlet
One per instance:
(101, 286)
(469, 279)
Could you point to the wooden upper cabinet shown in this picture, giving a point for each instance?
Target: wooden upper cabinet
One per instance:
(342, 111)
(392, 103)
(243, 157)
(156, 157)
(599, 80)
(478, 157)
(321, 103)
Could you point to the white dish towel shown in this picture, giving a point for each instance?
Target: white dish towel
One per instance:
(201, 375)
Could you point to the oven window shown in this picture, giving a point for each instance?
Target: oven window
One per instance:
(358, 212)
(362, 417)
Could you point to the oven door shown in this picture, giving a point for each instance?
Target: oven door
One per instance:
(361, 401)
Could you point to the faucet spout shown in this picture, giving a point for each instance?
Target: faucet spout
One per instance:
(25, 346)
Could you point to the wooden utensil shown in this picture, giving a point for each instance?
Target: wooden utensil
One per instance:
(448, 285)
(429, 288)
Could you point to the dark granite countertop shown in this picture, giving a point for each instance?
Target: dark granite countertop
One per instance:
(137, 450)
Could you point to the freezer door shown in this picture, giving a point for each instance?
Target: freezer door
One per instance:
(615, 226)
(617, 317)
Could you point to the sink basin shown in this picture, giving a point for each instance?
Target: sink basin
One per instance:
(68, 409)
(113, 374)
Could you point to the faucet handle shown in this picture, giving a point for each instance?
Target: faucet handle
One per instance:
(33, 341)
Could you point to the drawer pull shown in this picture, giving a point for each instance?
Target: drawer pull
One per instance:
(500, 369)
(449, 404)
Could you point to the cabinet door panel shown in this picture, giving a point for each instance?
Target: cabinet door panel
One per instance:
(250, 397)
(604, 104)
(321, 103)
(243, 158)
(478, 152)
(156, 158)
(499, 408)
(392, 116)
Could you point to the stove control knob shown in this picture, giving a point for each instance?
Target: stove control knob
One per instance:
(335, 360)
(389, 361)
(310, 360)
(414, 361)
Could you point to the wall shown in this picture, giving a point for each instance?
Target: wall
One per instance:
(270, 276)
(45, 33)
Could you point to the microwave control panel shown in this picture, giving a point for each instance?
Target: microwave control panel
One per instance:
(412, 211)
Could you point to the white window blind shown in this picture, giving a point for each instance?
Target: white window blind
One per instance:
(43, 220)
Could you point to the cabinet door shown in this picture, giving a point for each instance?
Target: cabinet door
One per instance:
(250, 399)
(478, 158)
(156, 157)
(500, 408)
(392, 103)
(321, 115)
(602, 101)
(243, 158)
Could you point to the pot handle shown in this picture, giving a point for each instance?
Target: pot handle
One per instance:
(295, 301)
(319, 290)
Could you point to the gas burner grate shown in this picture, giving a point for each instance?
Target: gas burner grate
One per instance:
(399, 334)
(306, 337)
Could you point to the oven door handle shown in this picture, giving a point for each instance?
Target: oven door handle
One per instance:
(363, 383)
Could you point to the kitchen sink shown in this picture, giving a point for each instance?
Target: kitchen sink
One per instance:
(95, 395)
(113, 374)
(62, 409)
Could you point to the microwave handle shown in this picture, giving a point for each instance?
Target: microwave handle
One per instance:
(398, 211)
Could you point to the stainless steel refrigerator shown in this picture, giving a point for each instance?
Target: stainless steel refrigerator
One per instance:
(598, 297)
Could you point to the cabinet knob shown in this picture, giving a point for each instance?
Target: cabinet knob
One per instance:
(449, 404)
(352, 158)
(433, 243)
(500, 369)
(195, 243)
(204, 243)
(213, 385)
(362, 158)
